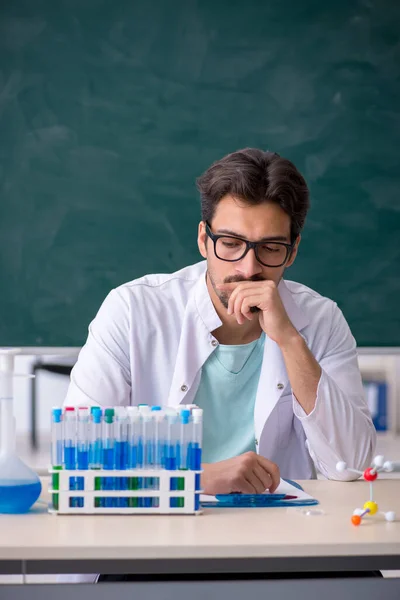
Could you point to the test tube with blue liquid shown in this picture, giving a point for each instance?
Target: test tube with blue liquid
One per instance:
(95, 447)
(159, 436)
(82, 448)
(108, 453)
(195, 450)
(56, 450)
(121, 450)
(172, 446)
(184, 439)
(70, 454)
(96, 442)
(134, 432)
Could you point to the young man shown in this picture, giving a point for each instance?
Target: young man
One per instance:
(272, 362)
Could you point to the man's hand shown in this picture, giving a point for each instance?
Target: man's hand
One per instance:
(248, 296)
(248, 473)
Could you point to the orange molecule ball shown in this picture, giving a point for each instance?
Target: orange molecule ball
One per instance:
(368, 476)
(356, 519)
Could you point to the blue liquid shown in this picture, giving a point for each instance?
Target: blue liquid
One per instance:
(83, 459)
(170, 463)
(132, 456)
(108, 458)
(197, 481)
(178, 454)
(194, 457)
(149, 454)
(70, 457)
(121, 455)
(140, 453)
(95, 453)
(59, 453)
(18, 498)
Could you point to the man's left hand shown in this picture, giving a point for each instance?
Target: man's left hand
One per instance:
(263, 295)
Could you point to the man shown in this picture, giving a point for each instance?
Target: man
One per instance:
(272, 362)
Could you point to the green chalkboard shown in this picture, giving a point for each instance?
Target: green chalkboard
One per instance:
(109, 110)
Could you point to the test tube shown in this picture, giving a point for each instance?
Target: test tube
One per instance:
(172, 441)
(108, 452)
(70, 432)
(133, 436)
(196, 442)
(95, 438)
(95, 447)
(56, 438)
(83, 439)
(134, 431)
(184, 439)
(70, 438)
(159, 437)
(56, 451)
(121, 450)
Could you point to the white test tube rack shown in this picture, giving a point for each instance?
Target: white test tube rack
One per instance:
(64, 498)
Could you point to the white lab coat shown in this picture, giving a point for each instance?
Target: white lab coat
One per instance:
(152, 336)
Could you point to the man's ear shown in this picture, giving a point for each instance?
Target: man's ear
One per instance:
(294, 252)
(202, 239)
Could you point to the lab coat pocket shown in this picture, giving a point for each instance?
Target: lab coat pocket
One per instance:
(285, 420)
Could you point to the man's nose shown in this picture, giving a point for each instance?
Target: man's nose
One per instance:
(249, 266)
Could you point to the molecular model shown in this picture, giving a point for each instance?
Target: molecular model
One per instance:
(370, 474)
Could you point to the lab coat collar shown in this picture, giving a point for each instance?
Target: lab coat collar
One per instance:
(197, 342)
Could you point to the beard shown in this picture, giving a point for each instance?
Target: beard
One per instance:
(224, 297)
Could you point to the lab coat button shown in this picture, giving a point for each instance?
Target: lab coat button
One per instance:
(184, 388)
(214, 343)
(256, 441)
(280, 386)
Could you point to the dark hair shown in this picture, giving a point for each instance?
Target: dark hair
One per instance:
(255, 176)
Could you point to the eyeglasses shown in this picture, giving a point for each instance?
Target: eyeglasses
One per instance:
(232, 249)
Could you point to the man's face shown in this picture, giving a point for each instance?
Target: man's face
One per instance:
(253, 223)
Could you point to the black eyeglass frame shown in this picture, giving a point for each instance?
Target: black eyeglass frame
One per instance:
(249, 245)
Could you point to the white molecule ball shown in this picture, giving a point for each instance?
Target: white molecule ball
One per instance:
(390, 516)
(388, 466)
(341, 466)
(358, 511)
(379, 460)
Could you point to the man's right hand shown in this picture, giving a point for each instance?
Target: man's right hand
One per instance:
(248, 473)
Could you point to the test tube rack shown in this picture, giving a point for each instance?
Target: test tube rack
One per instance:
(133, 491)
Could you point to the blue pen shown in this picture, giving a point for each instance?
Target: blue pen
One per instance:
(108, 452)
(121, 451)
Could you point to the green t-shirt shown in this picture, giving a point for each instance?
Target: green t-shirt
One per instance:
(227, 394)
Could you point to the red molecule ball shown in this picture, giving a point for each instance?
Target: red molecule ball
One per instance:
(368, 476)
(356, 519)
